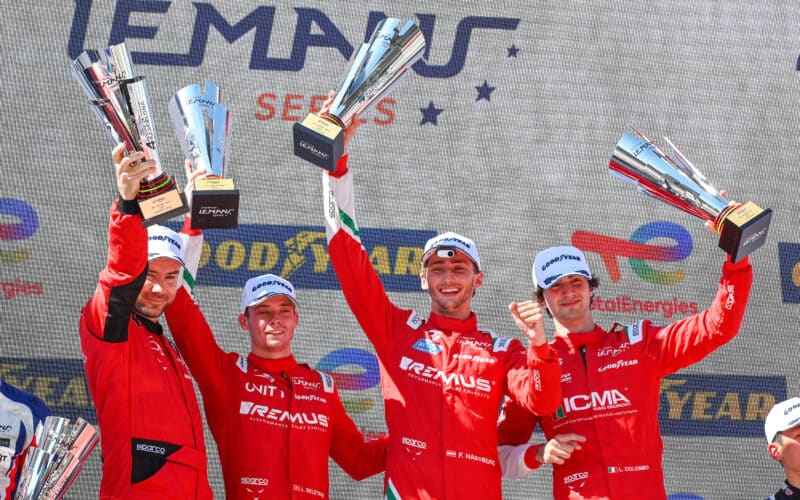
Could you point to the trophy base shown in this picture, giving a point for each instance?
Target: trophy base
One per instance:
(215, 204)
(744, 230)
(162, 207)
(319, 141)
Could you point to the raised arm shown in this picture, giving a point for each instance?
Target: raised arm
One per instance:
(108, 312)
(361, 285)
(689, 340)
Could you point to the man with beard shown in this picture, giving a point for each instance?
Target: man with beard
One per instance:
(150, 425)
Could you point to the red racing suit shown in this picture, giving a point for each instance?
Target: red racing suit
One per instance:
(443, 379)
(275, 421)
(151, 431)
(612, 397)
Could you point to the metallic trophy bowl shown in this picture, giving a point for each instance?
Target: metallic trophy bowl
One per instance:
(374, 72)
(121, 103)
(55, 462)
(674, 180)
(202, 125)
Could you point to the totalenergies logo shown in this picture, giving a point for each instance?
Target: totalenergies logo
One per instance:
(352, 370)
(639, 252)
(18, 221)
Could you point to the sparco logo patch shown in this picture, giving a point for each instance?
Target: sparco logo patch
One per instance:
(149, 448)
(414, 443)
(576, 477)
(255, 481)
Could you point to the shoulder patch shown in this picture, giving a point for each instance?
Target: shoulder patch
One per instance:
(635, 332)
(501, 344)
(489, 333)
(414, 320)
(241, 362)
(327, 381)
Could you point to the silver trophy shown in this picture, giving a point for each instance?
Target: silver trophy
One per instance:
(53, 465)
(121, 103)
(674, 180)
(203, 125)
(375, 71)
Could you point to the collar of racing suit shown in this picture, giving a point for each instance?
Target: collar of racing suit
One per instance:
(150, 326)
(272, 365)
(447, 325)
(577, 340)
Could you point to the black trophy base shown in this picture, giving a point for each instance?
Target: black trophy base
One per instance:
(162, 207)
(215, 208)
(319, 141)
(745, 230)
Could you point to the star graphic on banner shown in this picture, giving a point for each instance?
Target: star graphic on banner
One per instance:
(484, 91)
(513, 51)
(430, 114)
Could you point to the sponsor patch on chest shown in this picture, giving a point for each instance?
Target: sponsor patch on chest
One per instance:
(427, 345)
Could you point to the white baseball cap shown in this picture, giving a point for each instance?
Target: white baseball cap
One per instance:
(445, 244)
(782, 416)
(164, 242)
(260, 288)
(554, 263)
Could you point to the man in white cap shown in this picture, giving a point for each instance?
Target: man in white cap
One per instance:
(604, 441)
(151, 431)
(782, 428)
(443, 378)
(275, 421)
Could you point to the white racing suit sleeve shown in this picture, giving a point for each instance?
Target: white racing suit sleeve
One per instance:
(512, 461)
(339, 205)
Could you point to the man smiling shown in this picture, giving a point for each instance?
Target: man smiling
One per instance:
(604, 441)
(275, 421)
(151, 431)
(443, 378)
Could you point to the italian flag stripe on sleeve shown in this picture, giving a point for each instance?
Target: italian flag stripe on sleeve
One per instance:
(391, 491)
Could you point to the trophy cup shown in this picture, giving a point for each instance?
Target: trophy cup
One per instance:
(122, 104)
(674, 180)
(202, 124)
(53, 465)
(375, 71)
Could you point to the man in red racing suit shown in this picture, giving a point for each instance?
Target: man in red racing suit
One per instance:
(275, 421)
(604, 441)
(151, 431)
(443, 378)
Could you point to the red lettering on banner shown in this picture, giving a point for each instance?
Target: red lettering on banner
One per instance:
(294, 107)
(13, 288)
(288, 106)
